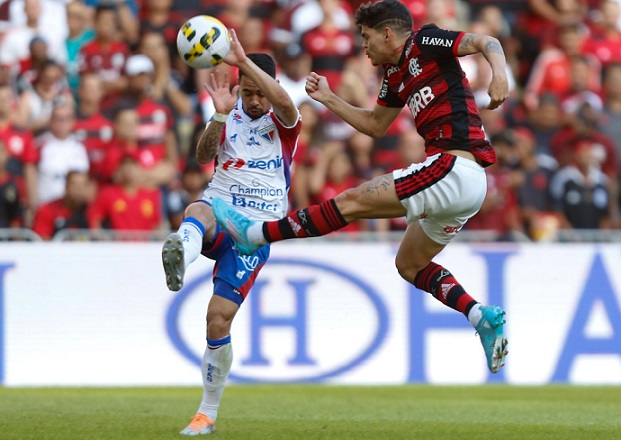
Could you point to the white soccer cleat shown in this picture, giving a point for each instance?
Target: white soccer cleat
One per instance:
(172, 259)
(200, 425)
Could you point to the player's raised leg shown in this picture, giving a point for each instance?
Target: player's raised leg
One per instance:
(374, 199)
(181, 248)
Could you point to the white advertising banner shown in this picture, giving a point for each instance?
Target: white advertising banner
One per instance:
(321, 311)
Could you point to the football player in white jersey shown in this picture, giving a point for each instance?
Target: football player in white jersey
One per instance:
(252, 138)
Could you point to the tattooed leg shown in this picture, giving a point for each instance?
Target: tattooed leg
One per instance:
(374, 199)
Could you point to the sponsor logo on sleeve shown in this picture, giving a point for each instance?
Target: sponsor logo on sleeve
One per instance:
(435, 41)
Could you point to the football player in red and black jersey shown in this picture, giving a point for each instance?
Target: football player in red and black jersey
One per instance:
(437, 196)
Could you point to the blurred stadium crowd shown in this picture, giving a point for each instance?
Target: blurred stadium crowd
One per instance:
(99, 115)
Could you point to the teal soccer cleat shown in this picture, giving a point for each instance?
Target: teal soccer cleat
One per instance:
(490, 330)
(235, 224)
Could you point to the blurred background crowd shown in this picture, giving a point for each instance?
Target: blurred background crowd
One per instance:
(99, 116)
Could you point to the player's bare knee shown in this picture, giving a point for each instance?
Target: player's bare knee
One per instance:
(202, 213)
(406, 272)
(407, 268)
(218, 326)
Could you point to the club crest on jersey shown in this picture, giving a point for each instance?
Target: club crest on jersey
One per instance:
(414, 67)
(267, 133)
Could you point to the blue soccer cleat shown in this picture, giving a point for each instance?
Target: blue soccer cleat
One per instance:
(490, 330)
(235, 224)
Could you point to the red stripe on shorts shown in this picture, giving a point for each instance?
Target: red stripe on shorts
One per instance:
(424, 177)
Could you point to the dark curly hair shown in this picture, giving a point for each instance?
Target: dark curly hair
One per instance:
(391, 13)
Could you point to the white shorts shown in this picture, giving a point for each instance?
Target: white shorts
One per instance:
(442, 193)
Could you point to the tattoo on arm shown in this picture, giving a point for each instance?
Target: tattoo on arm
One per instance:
(379, 184)
(467, 42)
(208, 143)
(493, 46)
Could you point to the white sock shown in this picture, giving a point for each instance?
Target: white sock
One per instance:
(192, 237)
(255, 234)
(475, 314)
(215, 369)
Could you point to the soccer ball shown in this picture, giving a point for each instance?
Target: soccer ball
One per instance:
(203, 42)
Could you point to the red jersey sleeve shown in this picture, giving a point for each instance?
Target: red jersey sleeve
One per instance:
(288, 135)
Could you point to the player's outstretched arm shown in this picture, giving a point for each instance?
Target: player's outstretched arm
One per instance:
(283, 106)
(224, 100)
(491, 49)
(373, 122)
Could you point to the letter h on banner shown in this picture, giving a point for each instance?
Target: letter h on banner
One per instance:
(421, 320)
(297, 322)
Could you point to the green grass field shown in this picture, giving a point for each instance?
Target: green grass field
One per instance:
(317, 412)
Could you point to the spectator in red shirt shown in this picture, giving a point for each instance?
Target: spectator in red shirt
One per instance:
(105, 55)
(125, 141)
(605, 39)
(92, 128)
(329, 46)
(537, 26)
(551, 72)
(20, 147)
(68, 212)
(19, 142)
(127, 204)
(156, 127)
(11, 194)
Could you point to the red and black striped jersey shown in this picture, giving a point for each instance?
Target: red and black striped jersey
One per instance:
(430, 81)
